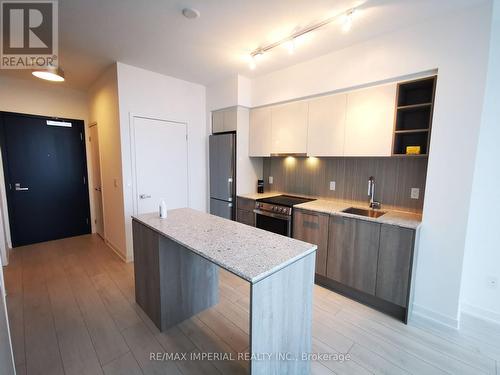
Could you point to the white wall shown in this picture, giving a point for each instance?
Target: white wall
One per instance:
(482, 255)
(222, 94)
(37, 97)
(457, 46)
(236, 91)
(103, 109)
(142, 92)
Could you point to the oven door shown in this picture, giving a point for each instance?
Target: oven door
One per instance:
(276, 223)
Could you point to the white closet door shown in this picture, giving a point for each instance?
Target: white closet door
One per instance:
(161, 165)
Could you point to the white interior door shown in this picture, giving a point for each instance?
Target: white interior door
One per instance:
(96, 180)
(161, 165)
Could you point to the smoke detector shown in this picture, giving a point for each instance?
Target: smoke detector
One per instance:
(190, 13)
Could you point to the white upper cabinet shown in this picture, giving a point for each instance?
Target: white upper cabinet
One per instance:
(358, 123)
(289, 128)
(224, 120)
(259, 136)
(326, 125)
(217, 121)
(230, 119)
(370, 121)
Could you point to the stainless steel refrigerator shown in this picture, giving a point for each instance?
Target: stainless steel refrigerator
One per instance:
(222, 148)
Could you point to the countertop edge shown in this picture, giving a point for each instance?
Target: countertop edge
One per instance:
(253, 280)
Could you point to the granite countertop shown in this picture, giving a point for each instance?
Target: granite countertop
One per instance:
(256, 196)
(248, 252)
(334, 207)
(392, 217)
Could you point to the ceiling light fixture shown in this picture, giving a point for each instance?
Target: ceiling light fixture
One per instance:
(290, 46)
(252, 64)
(290, 42)
(347, 21)
(50, 74)
(190, 13)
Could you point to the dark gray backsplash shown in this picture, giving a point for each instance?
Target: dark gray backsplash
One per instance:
(394, 178)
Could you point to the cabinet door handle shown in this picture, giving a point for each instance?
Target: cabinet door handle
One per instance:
(144, 196)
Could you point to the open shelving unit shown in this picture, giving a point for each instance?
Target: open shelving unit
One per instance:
(413, 120)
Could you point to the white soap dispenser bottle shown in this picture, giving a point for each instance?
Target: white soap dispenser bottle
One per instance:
(163, 209)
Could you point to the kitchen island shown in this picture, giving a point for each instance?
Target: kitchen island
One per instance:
(176, 276)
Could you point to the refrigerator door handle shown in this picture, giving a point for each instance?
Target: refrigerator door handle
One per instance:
(229, 188)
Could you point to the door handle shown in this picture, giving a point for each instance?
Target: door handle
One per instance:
(144, 196)
(18, 187)
(229, 187)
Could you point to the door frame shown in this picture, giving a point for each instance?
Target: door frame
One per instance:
(132, 117)
(6, 166)
(91, 125)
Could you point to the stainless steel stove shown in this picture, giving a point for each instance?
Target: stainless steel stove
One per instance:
(275, 214)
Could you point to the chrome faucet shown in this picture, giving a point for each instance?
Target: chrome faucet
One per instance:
(371, 193)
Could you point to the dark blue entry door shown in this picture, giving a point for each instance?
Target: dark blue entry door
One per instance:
(46, 177)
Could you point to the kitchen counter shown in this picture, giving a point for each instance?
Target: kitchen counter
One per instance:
(402, 219)
(248, 252)
(392, 217)
(255, 196)
(176, 269)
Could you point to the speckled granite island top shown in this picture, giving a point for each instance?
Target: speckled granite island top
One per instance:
(248, 252)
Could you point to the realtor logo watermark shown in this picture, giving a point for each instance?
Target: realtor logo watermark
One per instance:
(29, 35)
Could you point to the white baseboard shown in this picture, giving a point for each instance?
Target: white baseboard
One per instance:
(470, 315)
(427, 317)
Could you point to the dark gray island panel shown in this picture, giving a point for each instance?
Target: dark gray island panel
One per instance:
(147, 271)
(176, 272)
(281, 318)
(171, 284)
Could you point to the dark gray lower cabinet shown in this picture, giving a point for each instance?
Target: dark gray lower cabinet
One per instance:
(244, 211)
(353, 247)
(312, 227)
(245, 217)
(394, 264)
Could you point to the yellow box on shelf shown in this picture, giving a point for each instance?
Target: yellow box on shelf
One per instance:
(412, 150)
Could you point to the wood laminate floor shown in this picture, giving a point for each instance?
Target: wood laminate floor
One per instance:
(72, 311)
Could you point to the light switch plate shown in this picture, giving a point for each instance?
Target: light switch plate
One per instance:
(415, 193)
(271, 180)
(332, 185)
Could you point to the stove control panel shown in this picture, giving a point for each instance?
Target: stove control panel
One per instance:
(273, 208)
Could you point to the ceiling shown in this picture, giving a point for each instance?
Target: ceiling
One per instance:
(154, 35)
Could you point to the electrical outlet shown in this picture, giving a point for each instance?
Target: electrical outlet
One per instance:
(492, 282)
(415, 193)
(332, 185)
(271, 180)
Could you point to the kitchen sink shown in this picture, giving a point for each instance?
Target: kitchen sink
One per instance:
(364, 212)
